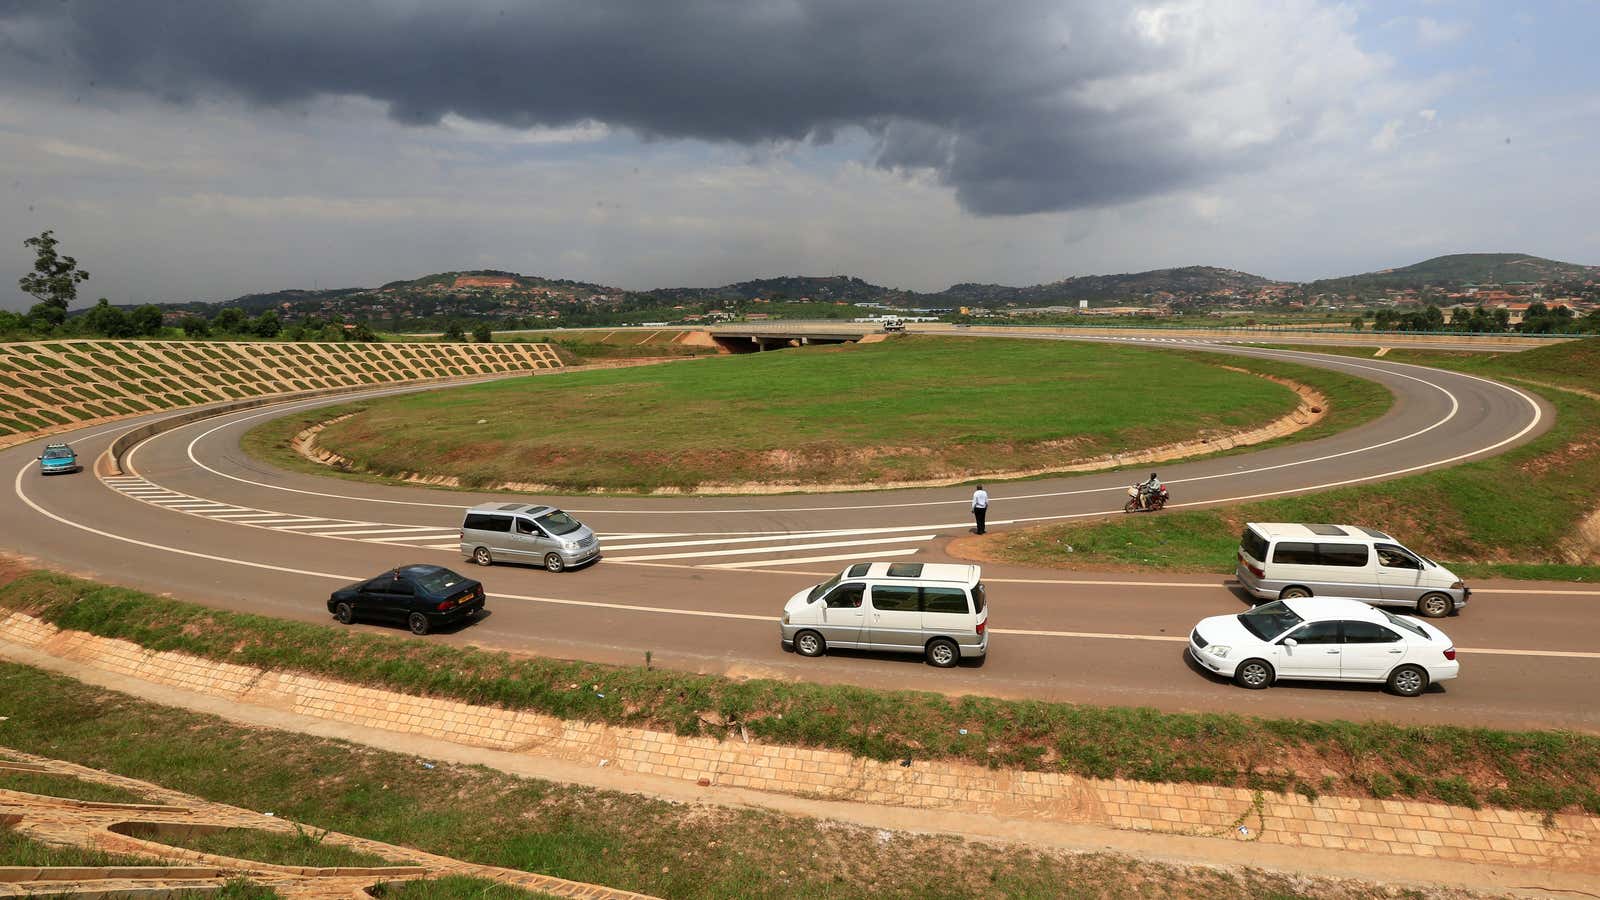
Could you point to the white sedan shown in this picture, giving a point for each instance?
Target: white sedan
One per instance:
(1324, 639)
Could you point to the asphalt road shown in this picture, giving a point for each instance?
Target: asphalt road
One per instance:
(699, 581)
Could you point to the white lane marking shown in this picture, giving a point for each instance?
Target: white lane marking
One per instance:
(439, 535)
(329, 525)
(745, 551)
(804, 559)
(638, 537)
(455, 546)
(273, 520)
(17, 483)
(1097, 635)
(415, 531)
(1476, 592)
(1339, 363)
(764, 536)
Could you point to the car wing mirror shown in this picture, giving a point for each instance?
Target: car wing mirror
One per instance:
(1290, 642)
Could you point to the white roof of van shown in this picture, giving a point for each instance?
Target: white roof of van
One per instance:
(1313, 532)
(951, 572)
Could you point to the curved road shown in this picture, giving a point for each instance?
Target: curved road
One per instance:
(698, 581)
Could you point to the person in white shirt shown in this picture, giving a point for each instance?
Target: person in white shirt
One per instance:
(980, 506)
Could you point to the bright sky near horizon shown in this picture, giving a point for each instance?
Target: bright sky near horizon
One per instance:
(203, 149)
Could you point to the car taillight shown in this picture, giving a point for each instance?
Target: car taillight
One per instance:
(1450, 653)
(1259, 573)
(446, 604)
(981, 625)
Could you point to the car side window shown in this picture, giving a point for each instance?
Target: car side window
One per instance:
(847, 596)
(1368, 633)
(1317, 633)
(1392, 557)
(944, 600)
(893, 598)
(525, 526)
(402, 587)
(1295, 553)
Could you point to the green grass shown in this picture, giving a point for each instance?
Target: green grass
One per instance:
(1511, 516)
(455, 887)
(906, 410)
(17, 850)
(619, 840)
(66, 787)
(302, 848)
(1535, 770)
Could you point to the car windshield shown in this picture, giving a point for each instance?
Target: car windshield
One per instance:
(439, 581)
(559, 522)
(58, 453)
(1398, 622)
(1269, 620)
(823, 588)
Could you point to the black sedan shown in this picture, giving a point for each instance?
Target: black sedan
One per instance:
(422, 597)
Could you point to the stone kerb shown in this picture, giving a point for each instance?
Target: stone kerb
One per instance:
(50, 386)
(1406, 828)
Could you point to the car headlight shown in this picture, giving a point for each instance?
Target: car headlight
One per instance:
(569, 545)
(1458, 585)
(1220, 651)
(785, 618)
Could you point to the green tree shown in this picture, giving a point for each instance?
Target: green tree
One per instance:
(195, 326)
(229, 321)
(1358, 322)
(267, 325)
(105, 319)
(145, 321)
(482, 333)
(454, 332)
(53, 282)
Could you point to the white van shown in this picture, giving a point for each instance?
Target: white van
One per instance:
(1281, 560)
(936, 609)
(526, 533)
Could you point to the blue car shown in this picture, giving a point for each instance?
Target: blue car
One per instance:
(58, 459)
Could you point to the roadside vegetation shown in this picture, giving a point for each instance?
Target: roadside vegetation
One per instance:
(598, 345)
(17, 850)
(454, 887)
(301, 848)
(913, 409)
(614, 839)
(1547, 771)
(1516, 515)
(65, 786)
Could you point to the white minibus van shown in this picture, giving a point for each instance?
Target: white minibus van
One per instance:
(1281, 560)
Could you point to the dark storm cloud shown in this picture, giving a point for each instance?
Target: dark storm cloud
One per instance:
(990, 96)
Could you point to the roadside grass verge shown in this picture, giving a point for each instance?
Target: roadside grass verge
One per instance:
(1515, 515)
(1521, 770)
(914, 409)
(619, 840)
(66, 787)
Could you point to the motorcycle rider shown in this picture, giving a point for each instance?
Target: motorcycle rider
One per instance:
(1148, 490)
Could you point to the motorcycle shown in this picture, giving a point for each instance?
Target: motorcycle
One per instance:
(1156, 501)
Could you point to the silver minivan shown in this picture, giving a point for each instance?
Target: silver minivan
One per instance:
(1284, 560)
(526, 533)
(937, 610)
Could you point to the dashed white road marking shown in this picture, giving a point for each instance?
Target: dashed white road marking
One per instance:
(755, 563)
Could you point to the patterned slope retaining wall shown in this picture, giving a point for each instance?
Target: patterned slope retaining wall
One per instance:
(1393, 827)
(48, 386)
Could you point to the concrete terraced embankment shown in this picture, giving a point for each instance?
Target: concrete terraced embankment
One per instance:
(50, 386)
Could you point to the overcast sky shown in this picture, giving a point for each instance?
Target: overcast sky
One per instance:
(203, 149)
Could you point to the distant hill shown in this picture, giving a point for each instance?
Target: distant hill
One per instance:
(257, 303)
(788, 287)
(492, 279)
(1188, 280)
(1462, 268)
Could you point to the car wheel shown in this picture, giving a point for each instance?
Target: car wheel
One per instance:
(809, 643)
(1130, 506)
(1294, 593)
(943, 652)
(1255, 674)
(1408, 681)
(345, 613)
(481, 557)
(418, 623)
(553, 563)
(1435, 606)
